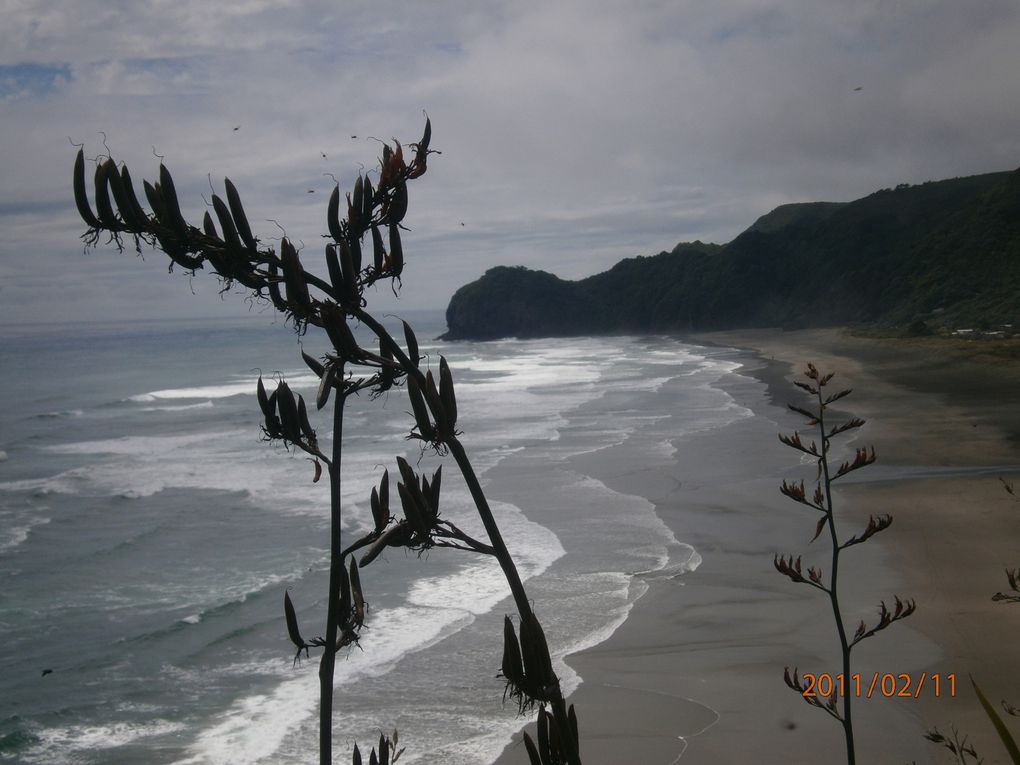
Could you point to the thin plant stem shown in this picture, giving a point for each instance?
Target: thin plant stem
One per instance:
(336, 570)
(833, 583)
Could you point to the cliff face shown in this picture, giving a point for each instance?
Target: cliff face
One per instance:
(946, 251)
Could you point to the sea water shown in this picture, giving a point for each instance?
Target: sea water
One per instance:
(148, 535)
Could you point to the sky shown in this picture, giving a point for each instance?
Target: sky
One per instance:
(573, 134)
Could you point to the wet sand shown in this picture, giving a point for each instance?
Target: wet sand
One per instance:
(695, 674)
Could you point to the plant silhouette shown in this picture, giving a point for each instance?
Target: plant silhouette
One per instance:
(238, 257)
(836, 702)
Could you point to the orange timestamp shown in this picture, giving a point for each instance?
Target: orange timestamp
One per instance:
(886, 684)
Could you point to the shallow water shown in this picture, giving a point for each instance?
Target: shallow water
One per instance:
(147, 536)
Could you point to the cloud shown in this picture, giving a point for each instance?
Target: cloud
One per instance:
(572, 134)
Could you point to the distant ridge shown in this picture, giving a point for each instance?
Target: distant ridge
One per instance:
(943, 252)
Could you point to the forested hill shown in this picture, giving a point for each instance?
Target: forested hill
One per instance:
(945, 252)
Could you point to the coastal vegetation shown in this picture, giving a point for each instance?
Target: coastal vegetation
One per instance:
(832, 692)
(936, 257)
(408, 517)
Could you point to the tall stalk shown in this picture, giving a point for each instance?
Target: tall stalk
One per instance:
(234, 254)
(822, 502)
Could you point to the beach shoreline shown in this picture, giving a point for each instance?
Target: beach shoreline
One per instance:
(695, 672)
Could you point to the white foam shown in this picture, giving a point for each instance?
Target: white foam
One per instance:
(55, 744)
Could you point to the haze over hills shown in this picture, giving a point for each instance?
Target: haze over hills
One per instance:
(944, 252)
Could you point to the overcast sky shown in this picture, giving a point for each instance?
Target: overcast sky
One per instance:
(573, 134)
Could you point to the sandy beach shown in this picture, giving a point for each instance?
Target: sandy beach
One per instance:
(696, 671)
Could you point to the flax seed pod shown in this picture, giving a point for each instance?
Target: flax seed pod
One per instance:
(81, 199)
(325, 386)
(511, 667)
(345, 597)
(412, 344)
(104, 208)
(446, 394)
(173, 208)
(333, 215)
(287, 406)
(132, 199)
(433, 494)
(230, 237)
(535, 651)
(398, 202)
(378, 253)
(294, 277)
(357, 596)
(336, 275)
(240, 219)
(132, 222)
(367, 203)
(533, 754)
(306, 426)
(384, 750)
(412, 512)
(350, 274)
(384, 500)
(292, 622)
(396, 251)
(260, 393)
(356, 759)
(155, 200)
(421, 414)
(435, 404)
(314, 364)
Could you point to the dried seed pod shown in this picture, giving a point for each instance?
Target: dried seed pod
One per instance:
(384, 750)
(104, 208)
(533, 755)
(542, 728)
(336, 275)
(345, 597)
(155, 199)
(412, 344)
(378, 253)
(314, 364)
(173, 208)
(446, 394)
(367, 203)
(396, 251)
(230, 236)
(433, 494)
(81, 199)
(435, 403)
(354, 242)
(325, 386)
(209, 227)
(306, 427)
(511, 667)
(240, 219)
(421, 414)
(128, 214)
(357, 596)
(413, 513)
(356, 758)
(294, 277)
(350, 274)
(292, 626)
(287, 406)
(398, 203)
(132, 200)
(333, 215)
(535, 653)
(260, 392)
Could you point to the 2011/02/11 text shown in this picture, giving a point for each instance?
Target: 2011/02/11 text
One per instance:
(886, 684)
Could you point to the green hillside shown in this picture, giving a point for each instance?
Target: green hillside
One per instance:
(945, 252)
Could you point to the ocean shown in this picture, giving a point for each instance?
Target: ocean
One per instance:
(148, 535)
